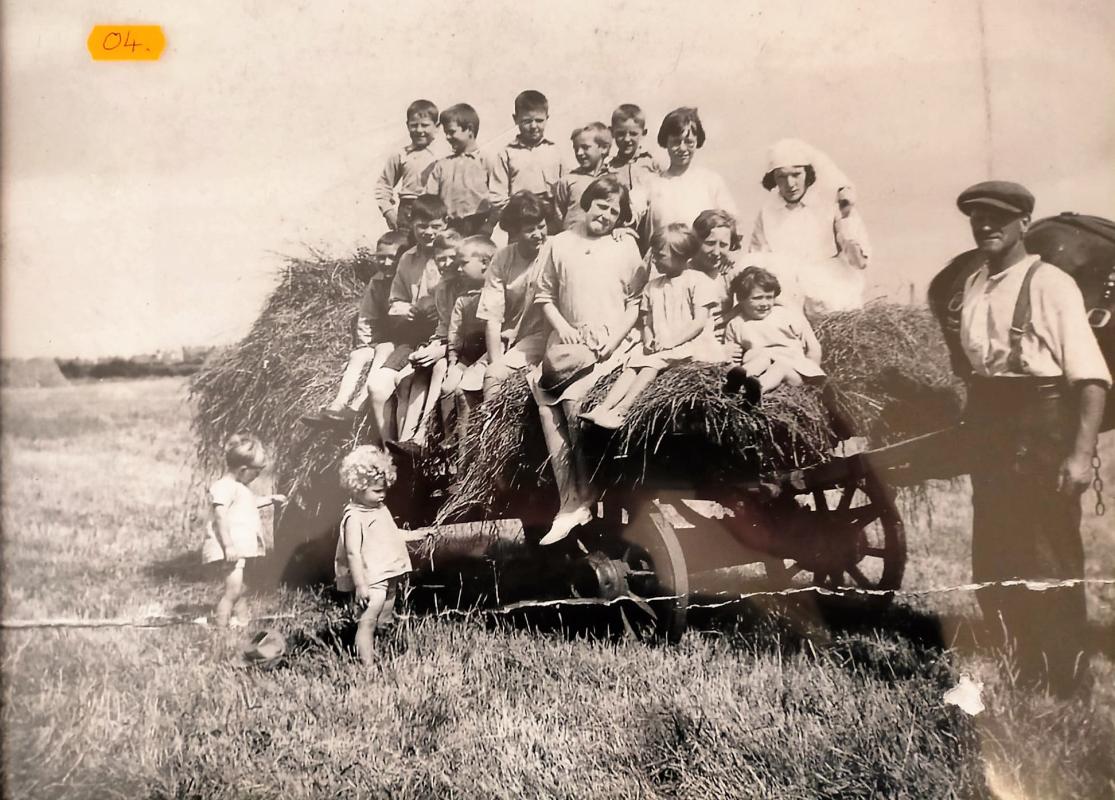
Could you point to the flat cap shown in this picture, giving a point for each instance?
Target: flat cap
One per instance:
(1005, 195)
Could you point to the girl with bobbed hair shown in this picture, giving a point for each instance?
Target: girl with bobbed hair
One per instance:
(589, 287)
(515, 331)
(685, 188)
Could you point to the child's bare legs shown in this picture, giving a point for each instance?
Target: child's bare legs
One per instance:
(381, 385)
(615, 395)
(466, 403)
(358, 359)
(777, 374)
(447, 402)
(383, 350)
(611, 412)
(562, 442)
(429, 403)
(232, 599)
(412, 394)
(377, 615)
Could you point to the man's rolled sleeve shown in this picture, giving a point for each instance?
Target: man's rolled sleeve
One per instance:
(1079, 352)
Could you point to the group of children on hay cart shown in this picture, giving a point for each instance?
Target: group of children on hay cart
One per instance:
(621, 263)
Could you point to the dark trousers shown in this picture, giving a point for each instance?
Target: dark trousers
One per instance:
(402, 219)
(471, 225)
(1023, 528)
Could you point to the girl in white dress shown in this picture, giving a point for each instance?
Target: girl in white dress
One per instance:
(684, 189)
(777, 343)
(235, 531)
(677, 318)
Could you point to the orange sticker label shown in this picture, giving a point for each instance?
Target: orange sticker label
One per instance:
(126, 42)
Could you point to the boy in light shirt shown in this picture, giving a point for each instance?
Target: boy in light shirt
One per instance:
(405, 173)
(531, 163)
(590, 147)
(632, 163)
(461, 179)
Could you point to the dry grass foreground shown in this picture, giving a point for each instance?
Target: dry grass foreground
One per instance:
(759, 705)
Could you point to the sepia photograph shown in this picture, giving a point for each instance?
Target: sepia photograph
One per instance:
(583, 400)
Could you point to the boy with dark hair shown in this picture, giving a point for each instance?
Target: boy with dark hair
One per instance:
(461, 179)
(590, 147)
(532, 162)
(405, 173)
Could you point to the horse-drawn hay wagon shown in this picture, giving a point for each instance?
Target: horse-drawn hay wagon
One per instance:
(695, 488)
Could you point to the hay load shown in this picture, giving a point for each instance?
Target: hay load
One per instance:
(888, 367)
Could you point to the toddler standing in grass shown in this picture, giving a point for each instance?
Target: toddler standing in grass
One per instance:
(371, 550)
(235, 531)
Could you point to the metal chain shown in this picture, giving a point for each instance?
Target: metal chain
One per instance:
(1097, 484)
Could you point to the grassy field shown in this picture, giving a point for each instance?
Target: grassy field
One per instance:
(772, 703)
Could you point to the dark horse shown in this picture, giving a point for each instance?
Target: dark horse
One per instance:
(1083, 246)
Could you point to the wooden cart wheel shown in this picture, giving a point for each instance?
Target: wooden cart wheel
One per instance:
(657, 579)
(864, 545)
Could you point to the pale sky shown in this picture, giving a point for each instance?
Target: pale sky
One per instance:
(147, 205)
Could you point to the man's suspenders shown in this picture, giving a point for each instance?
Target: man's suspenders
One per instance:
(1020, 323)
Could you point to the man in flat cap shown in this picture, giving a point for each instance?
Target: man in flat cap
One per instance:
(1036, 394)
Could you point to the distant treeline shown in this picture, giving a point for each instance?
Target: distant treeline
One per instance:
(185, 362)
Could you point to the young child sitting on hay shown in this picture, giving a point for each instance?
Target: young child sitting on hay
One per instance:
(777, 343)
(676, 313)
(235, 530)
(371, 550)
(372, 338)
(466, 347)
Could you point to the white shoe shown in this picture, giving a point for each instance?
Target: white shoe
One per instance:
(564, 524)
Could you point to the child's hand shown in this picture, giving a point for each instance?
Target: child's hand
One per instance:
(278, 499)
(620, 233)
(391, 215)
(733, 351)
(363, 594)
(567, 334)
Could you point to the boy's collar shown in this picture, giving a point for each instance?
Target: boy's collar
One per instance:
(601, 168)
(642, 152)
(470, 151)
(520, 144)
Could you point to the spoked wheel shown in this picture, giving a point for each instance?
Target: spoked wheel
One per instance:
(657, 579)
(851, 538)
